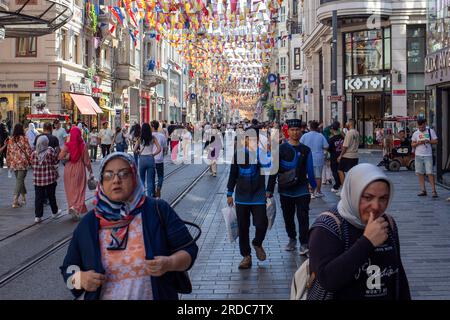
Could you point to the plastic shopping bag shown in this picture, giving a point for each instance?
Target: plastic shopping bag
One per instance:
(271, 210)
(231, 223)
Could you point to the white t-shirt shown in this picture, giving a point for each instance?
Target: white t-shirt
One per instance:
(424, 150)
(159, 158)
(106, 136)
(61, 134)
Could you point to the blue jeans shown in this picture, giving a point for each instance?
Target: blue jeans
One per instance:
(147, 170)
(160, 173)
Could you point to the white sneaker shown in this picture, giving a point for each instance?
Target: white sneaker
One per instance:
(37, 220)
(319, 195)
(304, 249)
(55, 215)
(334, 190)
(313, 195)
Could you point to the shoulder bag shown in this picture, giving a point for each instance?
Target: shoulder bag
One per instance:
(181, 281)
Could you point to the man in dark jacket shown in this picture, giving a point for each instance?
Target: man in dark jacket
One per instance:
(52, 140)
(336, 141)
(250, 199)
(295, 171)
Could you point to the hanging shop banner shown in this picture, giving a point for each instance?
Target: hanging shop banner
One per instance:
(278, 103)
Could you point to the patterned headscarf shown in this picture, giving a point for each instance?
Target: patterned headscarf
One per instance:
(118, 215)
(42, 148)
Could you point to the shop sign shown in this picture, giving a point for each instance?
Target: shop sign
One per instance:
(437, 67)
(40, 84)
(9, 86)
(374, 83)
(399, 92)
(336, 98)
(82, 88)
(438, 61)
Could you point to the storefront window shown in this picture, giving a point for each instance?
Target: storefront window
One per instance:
(416, 49)
(416, 82)
(348, 58)
(368, 57)
(368, 52)
(387, 53)
(438, 25)
(431, 110)
(417, 104)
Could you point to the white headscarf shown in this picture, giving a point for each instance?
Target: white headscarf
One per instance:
(31, 134)
(356, 181)
(42, 148)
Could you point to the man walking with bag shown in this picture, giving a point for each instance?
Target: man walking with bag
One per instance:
(295, 172)
(250, 199)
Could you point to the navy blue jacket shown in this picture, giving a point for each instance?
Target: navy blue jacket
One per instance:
(84, 249)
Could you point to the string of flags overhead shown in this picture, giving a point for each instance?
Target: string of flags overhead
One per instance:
(226, 42)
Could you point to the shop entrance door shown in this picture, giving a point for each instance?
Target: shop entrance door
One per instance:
(369, 112)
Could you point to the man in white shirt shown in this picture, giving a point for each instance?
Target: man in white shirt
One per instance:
(159, 158)
(422, 141)
(59, 132)
(106, 137)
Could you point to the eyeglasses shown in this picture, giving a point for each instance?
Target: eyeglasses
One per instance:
(122, 175)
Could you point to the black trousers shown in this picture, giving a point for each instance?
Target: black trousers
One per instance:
(260, 222)
(93, 150)
(296, 206)
(2, 157)
(334, 169)
(42, 192)
(106, 149)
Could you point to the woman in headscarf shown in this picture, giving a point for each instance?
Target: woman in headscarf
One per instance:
(76, 153)
(122, 249)
(32, 133)
(355, 248)
(18, 159)
(44, 162)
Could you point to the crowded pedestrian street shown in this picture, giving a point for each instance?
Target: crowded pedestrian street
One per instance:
(423, 228)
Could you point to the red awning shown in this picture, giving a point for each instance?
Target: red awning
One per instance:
(94, 105)
(83, 104)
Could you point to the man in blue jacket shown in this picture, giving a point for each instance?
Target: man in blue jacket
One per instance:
(250, 198)
(295, 172)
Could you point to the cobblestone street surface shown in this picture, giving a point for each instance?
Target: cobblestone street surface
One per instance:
(425, 245)
(423, 225)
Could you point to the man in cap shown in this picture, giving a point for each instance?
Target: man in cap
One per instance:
(295, 172)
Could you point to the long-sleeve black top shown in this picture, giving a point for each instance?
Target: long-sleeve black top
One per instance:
(341, 263)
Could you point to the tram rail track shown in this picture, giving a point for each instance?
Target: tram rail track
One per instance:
(53, 248)
(65, 211)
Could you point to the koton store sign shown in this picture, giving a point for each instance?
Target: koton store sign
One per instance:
(374, 83)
